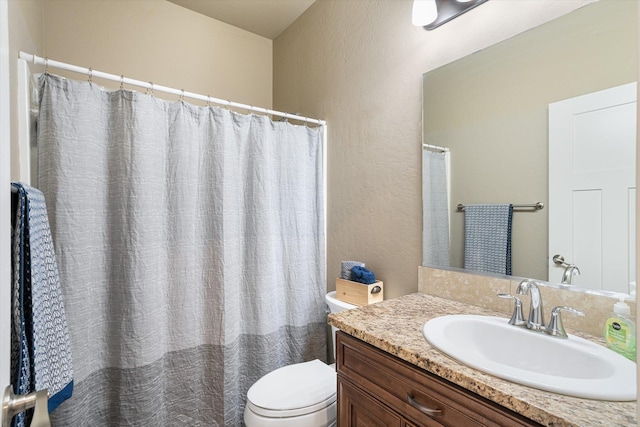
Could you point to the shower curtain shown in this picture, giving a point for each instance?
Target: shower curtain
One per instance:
(190, 243)
(435, 208)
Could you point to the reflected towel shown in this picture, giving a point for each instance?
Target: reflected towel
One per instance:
(487, 238)
(41, 350)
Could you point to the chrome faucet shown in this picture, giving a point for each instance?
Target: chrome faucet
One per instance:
(535, 322)
(536, 311)
(569, 271)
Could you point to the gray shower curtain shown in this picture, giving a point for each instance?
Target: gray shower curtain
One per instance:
(190, 243)
(435, 208)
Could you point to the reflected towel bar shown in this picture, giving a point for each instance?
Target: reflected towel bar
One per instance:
(436, 148)
(536, 206)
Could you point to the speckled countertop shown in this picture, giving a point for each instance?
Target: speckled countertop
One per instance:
(395, 326)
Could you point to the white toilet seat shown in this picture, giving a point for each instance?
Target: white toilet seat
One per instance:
(294, 391)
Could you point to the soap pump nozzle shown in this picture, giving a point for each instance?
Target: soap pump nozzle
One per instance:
(622, 307)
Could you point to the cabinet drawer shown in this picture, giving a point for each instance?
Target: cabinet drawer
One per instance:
(396, 382)
(358, 409)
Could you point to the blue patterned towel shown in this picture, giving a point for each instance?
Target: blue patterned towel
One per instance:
(40, 346)
(487, 238)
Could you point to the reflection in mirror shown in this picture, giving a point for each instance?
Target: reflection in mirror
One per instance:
(592, 180)
(491, 110)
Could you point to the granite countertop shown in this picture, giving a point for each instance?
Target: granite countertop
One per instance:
(395, 326)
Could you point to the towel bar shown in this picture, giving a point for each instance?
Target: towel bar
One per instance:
(536, 206)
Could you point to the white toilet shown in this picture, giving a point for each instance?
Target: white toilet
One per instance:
(300, 395)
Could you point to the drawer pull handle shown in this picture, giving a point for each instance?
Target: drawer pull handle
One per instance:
(424, 409)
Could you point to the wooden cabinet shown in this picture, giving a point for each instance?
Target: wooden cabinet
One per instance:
(358, 409)
(378, 389)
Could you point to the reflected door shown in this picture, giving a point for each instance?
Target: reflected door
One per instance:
(592, 145)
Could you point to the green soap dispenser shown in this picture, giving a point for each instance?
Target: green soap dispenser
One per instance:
(620, 330)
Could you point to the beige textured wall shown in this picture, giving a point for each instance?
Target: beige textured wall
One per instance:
(500, 96)
(359, 64)
(161, 42)
(342, 61)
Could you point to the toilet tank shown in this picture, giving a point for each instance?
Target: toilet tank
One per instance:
(336, 306)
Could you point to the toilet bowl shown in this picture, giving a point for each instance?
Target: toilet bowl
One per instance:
(299, 395)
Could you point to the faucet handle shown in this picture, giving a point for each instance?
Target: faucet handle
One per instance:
(555, 327)
(517, 319)
(559, 260)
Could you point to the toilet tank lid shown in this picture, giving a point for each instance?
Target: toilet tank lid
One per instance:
(294, 386)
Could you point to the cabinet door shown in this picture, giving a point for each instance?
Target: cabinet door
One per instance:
(391, 381)
(356, 409)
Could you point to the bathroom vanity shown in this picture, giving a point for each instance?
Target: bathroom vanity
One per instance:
(388, 374)
(375, 387)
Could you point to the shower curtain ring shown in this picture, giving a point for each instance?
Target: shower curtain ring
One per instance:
(121, 81)
(182, 95)
(150, 89)
(90, 76)
(46, 65)
(208, 101)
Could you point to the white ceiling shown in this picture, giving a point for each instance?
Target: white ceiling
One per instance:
(267, 18)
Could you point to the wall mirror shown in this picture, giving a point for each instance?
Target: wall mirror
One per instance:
(491, 110)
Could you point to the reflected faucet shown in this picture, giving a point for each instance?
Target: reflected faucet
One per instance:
(536, 311)
(569, 271)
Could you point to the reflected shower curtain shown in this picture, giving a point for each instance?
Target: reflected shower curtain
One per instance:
(435, 208)
(190, 243)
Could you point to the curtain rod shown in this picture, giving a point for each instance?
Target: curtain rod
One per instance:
(154, 87)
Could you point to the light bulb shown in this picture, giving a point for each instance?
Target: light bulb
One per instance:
(424, 12)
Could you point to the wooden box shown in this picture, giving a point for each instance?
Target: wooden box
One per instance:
(358, 293)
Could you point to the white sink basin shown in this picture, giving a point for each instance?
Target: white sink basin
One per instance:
(572, 366)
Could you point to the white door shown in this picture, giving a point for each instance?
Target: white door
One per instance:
(592, 151)
(5, 200)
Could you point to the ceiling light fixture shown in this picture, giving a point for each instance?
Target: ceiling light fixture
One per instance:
(431, 14)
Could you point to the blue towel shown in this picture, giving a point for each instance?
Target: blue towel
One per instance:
(487, 238)
(362, 275)
(41, 349)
